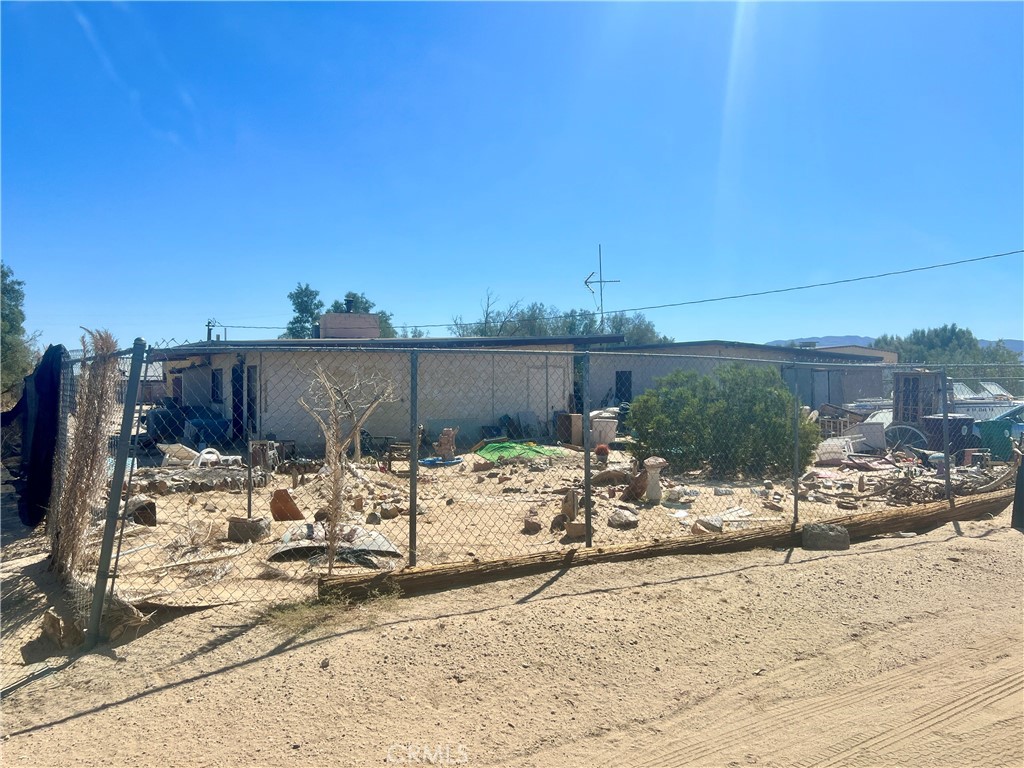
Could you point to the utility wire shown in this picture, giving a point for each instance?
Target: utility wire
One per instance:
(693, 302)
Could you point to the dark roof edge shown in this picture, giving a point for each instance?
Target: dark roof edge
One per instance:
(797, 351)
(474, 342)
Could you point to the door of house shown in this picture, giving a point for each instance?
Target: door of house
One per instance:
(623, 386)
(238, 403)
(252, 392)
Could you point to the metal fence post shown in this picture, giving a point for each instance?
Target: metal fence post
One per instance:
(114, 500)
(414, 449)
(945, 440)
(796, 446)
(587, 503)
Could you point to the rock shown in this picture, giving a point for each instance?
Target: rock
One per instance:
(610, 477)
(493, 475)
(142, 509)
(623, 519)
(193, 499)
(576, 529)
(637, 487)
(63, 634)
(571, 505)
(390, 511)
(449, 502)
(480, 478)
(504, 478)
(325, 664)
(724, 492)
(773, 506)
(861, 484)
(283, 506)
(843, 504)
(768, 485)
(320, 516)
(358, 503)
(557, 523)
(209, 507)
(373, 519)
(243, 529)
(482, 466)
(532, 524)
(712, 524)
(823, 536)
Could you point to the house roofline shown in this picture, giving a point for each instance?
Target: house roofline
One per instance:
(472, 342)
(808, 354)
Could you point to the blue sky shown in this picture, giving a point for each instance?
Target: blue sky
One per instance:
(163, 164)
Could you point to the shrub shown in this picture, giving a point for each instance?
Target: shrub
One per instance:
(737, 422)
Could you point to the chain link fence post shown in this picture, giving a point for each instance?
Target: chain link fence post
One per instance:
(114, 500)
(945, 438)
(796, 446)
(414, 450)
(587, 488)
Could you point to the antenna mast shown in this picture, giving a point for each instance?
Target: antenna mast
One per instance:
(600, 282)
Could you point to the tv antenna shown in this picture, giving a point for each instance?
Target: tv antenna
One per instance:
(599, 282)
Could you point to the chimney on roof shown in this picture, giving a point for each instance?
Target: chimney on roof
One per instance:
(349, 305)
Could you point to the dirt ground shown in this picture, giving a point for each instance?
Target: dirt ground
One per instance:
(186, 560)
(899, 651)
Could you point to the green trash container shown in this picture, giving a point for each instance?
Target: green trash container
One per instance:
(995, 438)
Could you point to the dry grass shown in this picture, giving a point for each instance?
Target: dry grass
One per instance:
(326, 613)
(84, 487)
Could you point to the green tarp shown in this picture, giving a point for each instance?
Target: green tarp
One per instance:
(495, 451)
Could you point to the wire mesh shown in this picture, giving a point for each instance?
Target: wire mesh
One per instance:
(257, 468)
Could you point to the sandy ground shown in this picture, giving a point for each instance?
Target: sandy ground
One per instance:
(900, 651)
(186, 560)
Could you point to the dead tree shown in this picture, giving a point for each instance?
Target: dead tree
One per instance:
(341, 408)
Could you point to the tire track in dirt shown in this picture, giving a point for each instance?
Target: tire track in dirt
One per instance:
(792, 732)
(696, 750)
(963, 704)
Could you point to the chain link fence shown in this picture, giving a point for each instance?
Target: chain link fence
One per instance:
(256, 468)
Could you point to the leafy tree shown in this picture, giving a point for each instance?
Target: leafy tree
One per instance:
(738, 421)
(16, 347)
(960, 353)
(636, 328)
(540, 320)
(308, 307)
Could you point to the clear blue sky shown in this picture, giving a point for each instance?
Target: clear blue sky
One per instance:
(163, 164)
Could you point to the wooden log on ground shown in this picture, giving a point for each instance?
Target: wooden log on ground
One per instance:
(415, 581)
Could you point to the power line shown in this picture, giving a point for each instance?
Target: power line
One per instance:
(693, 302)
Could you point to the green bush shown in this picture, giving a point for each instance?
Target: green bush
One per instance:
(738, 422)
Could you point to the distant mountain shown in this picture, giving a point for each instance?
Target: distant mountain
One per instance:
(1017, 345)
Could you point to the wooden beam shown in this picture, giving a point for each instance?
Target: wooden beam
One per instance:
(420, 580)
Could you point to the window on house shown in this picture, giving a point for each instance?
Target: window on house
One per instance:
(217, 385)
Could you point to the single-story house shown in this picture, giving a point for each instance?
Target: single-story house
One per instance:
(822, 376)
(252, 389)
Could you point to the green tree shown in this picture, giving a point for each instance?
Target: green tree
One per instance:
(16, 347)
(307, 307)
(737, 422)
(960, 353)
(539, 320)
